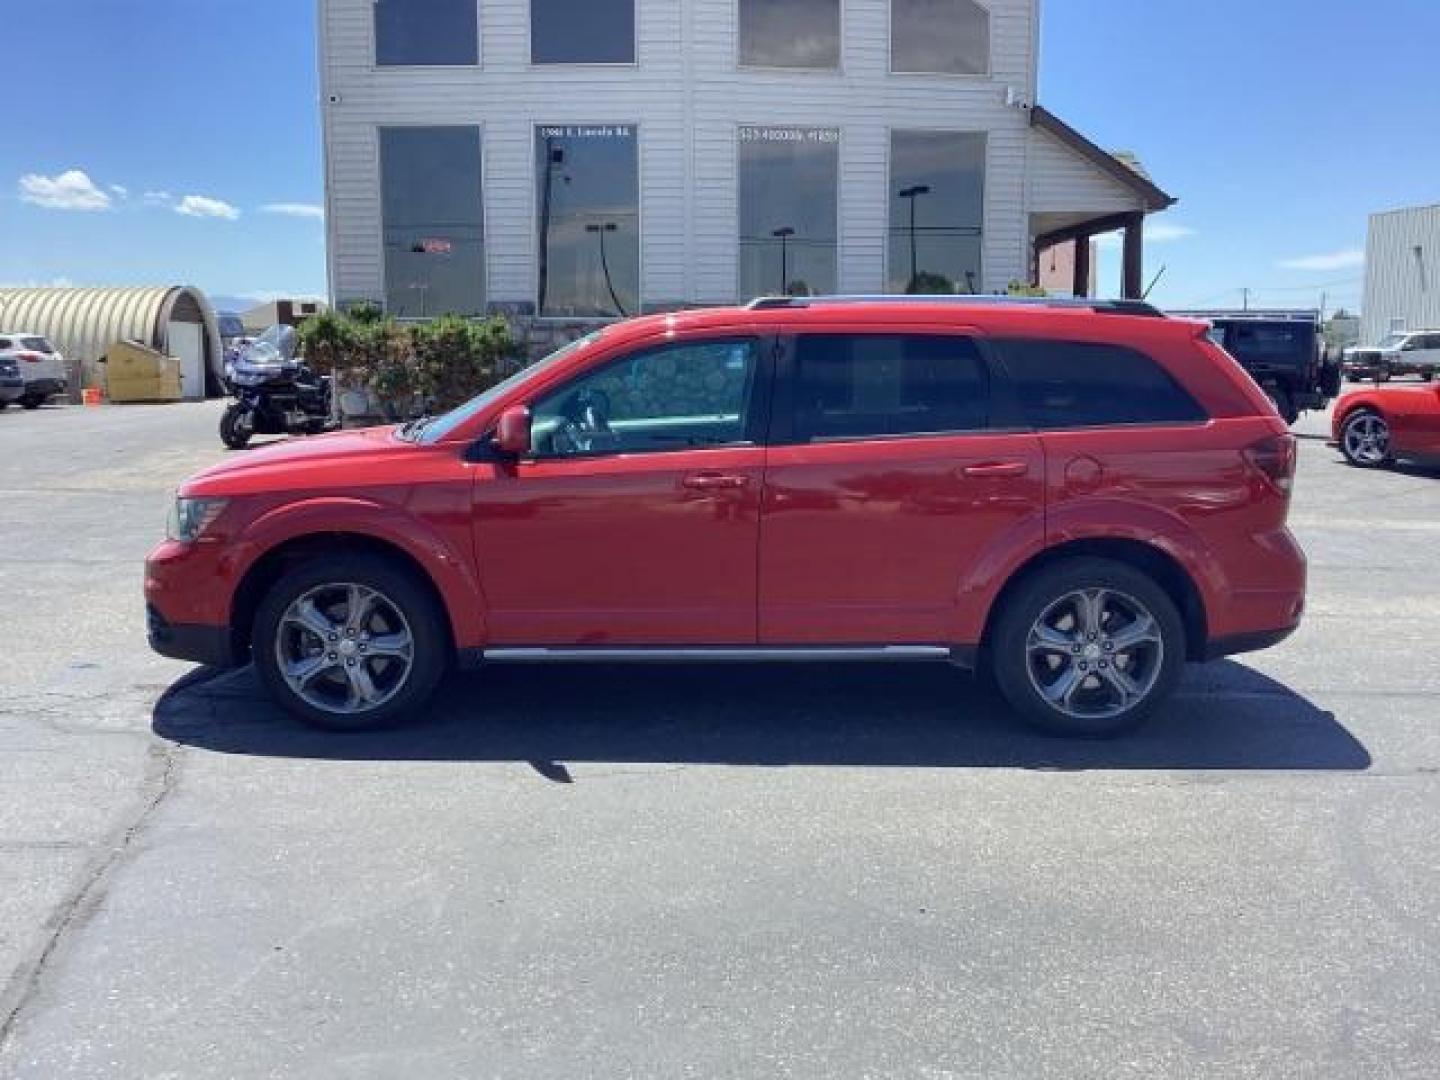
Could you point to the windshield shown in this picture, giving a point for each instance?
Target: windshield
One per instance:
(231, 326)
(443, 425)
(1393, 341)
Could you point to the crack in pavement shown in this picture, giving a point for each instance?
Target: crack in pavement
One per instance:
(84, 898)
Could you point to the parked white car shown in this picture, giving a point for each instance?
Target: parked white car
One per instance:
(1413, 352)
(40, 364)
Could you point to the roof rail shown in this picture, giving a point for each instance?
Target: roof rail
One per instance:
(1102, 307)
(1306, 315)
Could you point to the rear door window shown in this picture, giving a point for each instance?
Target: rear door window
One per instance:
(1062, 385)
(850, 386)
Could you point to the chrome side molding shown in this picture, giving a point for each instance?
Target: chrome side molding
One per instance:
(699, 654)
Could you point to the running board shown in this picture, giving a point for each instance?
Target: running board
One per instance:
(739, 654)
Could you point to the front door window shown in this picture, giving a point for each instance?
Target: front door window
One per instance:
(679, 397)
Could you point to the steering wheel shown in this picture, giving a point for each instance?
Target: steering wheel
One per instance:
(586, 425)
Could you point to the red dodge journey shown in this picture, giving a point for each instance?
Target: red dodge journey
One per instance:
(1079, 497)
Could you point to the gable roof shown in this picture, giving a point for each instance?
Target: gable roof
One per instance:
(1124, 168)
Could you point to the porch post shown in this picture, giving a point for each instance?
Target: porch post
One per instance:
(1133, 280)
(1081, 286)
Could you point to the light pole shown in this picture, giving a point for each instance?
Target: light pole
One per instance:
(600, 229)
(913, 193)
(783, 234)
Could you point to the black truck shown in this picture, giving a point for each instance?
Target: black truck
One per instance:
(1284, 351)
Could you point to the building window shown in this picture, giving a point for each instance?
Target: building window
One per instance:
(588, 206)
(790, 33)
(948, 37)
(789, 208)
(426, 32)
(937, 211)
(582, 31)
(433, 214)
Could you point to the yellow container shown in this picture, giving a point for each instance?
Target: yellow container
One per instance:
(135, 372)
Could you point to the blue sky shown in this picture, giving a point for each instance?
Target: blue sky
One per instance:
(1280, 125)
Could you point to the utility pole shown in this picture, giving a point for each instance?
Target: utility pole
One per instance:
(1246, 294)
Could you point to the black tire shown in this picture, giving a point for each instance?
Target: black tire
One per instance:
(1352, 442)
(236, 427)
(397, 586)
(4, 404)
(1043, 592)
(32, 401)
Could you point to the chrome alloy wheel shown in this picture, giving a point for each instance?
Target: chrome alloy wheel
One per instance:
(1094, 654)
(344, 648)
(1367, 439)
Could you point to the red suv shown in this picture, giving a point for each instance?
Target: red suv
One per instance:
(1080, 497)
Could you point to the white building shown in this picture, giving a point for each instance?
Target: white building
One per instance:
(1402, 272)
(585, 158)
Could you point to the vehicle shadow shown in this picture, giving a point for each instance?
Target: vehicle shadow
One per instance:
(1225, 717)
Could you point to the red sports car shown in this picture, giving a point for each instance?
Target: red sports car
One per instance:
(1374, 426)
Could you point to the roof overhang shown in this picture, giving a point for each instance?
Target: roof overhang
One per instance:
(1150, 197)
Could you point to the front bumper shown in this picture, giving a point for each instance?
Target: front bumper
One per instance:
(209, 645)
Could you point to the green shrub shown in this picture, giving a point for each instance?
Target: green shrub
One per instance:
(409, 367)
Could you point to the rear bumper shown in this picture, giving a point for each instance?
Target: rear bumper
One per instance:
(209, 645)
(48, 387)
(11, 388)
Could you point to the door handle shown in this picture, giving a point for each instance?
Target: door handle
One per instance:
(714, 482)
(996, 469)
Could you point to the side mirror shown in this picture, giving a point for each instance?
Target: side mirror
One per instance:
(512, 434)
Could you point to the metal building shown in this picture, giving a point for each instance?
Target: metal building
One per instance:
(84, 323)
(1402, 273)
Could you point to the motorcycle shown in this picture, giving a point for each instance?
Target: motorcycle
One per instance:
(275, 394)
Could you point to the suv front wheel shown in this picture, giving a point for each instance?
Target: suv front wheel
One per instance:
(353, 643)
(1088, 647)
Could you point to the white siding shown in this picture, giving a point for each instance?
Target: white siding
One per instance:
(1402, 286)
(688, 98)
(1061, 181)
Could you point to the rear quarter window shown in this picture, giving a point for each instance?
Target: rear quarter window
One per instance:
(38, 344)
(1063, 385)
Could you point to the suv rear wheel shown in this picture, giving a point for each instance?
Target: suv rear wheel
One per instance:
(350, 644)
(1088, 647)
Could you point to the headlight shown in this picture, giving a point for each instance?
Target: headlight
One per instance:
(189, 518)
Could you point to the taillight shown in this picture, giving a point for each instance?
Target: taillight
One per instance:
(1274, 458)
(30, 357)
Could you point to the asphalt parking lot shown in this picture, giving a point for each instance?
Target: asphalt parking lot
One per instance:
(706, 872)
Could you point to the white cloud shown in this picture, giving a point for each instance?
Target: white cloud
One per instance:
(298, 210)
(53, 283)
(1349, 259)
(157, 198)
(120, 190)
(70, 190)
(1162, 232)
(202, 206)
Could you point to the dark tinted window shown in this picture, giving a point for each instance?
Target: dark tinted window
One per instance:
(6, 343)
(426, 32)
(39, 344)
(849, 386)
(434, 221)
(1070, 385)
(582, 31)
(588, 218)
(790, 33)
